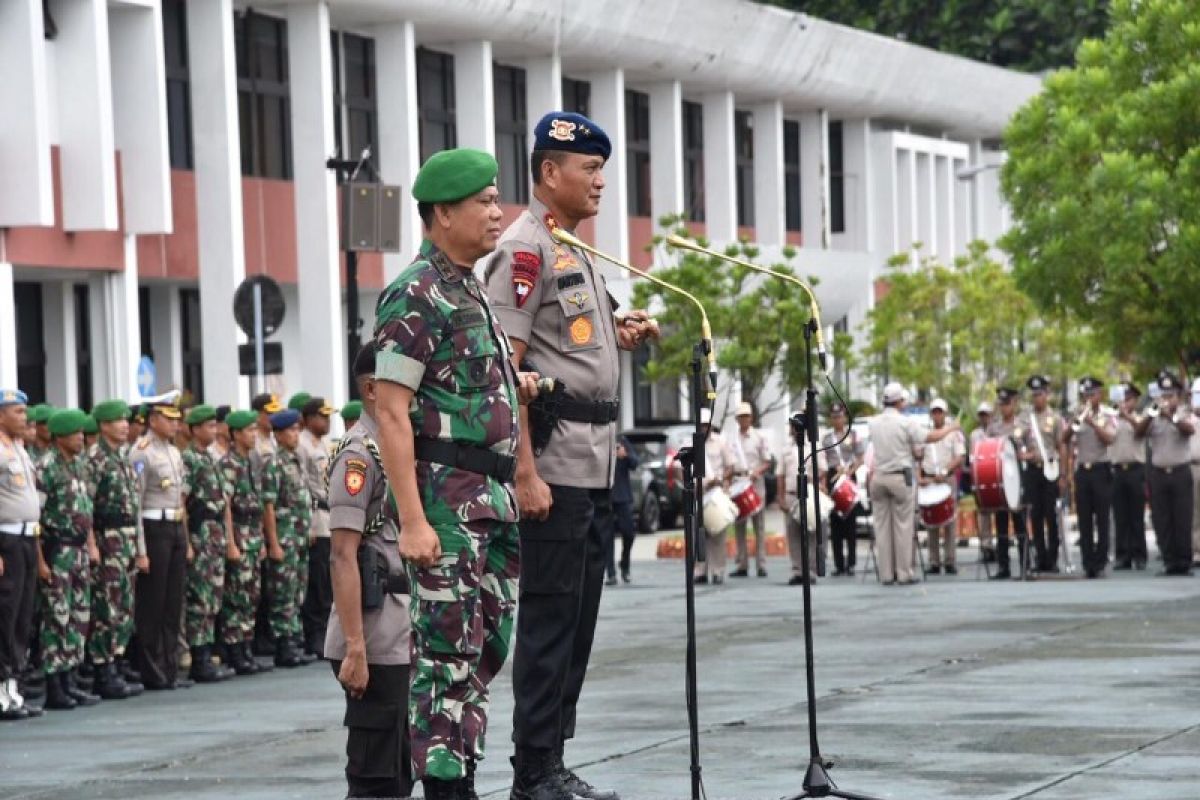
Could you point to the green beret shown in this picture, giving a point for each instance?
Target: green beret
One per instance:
(67, 421)
(111, 411)
(200, 414)
(352, 410)
(90, 426)
(237, 420)
(298, 400)
(41, 413)
(451, 175)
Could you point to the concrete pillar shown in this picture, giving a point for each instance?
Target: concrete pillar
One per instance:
(323, 334)
(543, 88)
(962, 206)
(115, 327)
(85, 115)
(27, 191)
(859, 184)
(474, 100)
(976, 190)
(925, 198)
(8, 326)
(906, 199)
(217, 154)
(399, 131)
(769, 209)
(944, 208)
(886, 225)
(58, 332)
(166, 335)
(666, 149)
(720, 168)
(612, 223)
(814, 178)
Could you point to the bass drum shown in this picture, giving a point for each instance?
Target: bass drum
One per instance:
(719, 511)
(996, 474)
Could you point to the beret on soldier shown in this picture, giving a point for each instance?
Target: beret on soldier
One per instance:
(237, 420)
(111, 411)
(13, 397)
(352, 410)
(297, 401)
(201, 414)
(41, 413)
(452, 175)
(1131, 389)
(66, 422)
(140, 413)
(282, 420)
(90, 426)
(572, 133)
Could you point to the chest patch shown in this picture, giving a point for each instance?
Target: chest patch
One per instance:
(581, 330)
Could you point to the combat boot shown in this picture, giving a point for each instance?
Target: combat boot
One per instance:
(57, 698)
(203, 669)
(286, 656)
(436, 789)
(535, 776)
(468, 790)
(80, 696)
(237, 659)
(303, 656)
(259, 666)
(577, 785)
(108, 684)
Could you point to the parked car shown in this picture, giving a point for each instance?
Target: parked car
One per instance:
(658, 481)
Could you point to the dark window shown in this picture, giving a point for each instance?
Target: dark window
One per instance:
(791, 174)
(577, 96)
(144, 335)
(512, 149)
(263, 105)
(654, 403)
(743, 142)
(83, 350)
(693, 160)
(193, 343)
(179, 101)
(354, 95)
(837, 180)
(31, 342)
(435, 101)
(637, 150)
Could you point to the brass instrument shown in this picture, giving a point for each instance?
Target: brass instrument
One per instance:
(1081, 418)
(1153, 410)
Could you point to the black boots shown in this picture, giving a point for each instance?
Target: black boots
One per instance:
(204, 670)
(77, 694)
(536, 776)
(286, 655)
(259, 666)
(109, 685)
(57, 697)
(237, 658)
(577, 785)
(444, 790)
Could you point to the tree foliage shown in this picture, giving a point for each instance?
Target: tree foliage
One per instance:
(1104, 181)
(1030, 35)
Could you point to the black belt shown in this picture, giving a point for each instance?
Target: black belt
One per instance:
(1125, 466)
(114, 523)
(601, 412)
(1170, 469)
(469, 457)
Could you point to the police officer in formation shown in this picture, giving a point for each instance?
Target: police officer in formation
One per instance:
(318, 598)
(1007, 425)
(1093, 430)
(1171, 500)
(1128, 455)
(1042, 486)
(843, 456)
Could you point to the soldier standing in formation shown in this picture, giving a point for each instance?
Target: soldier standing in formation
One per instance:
(940, 464)
(1128, 456)
(319, 591)
(1092, 433)
(1008, 426)
(67, 547)
(1170, 474)
(843, 456)
(1046, 431)
(753, 459)
(116, 516)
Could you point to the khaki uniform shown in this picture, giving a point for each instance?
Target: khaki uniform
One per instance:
(935, 462)
(750, 453)
(1016, 429)
(718, 462)
(20, 510)
(1045, 434)
(1171, 491)
(318, 595)
(893, 499)
(789, 463)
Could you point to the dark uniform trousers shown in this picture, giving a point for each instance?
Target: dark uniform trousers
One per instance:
(1171, 511)
(18, 590)
(318, 597)
(1093, 499)
(843, 534)
(1005, 519)
(158, 601)
(1129, 511)
(378, 762)
(623, 524)
(1042, 496)
(562, 576)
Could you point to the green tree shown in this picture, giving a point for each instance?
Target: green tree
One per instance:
(1104, 181)
(1030, 35)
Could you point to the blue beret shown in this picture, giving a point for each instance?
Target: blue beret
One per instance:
(571, 132)
(13, 397)
(285, 419)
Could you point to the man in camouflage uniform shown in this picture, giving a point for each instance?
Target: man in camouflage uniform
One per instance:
(264, 405)
(67, 545)
(242, 574)
(318, 597)
(447, 401)
(115, 516)
(210, 530)
(288, 515)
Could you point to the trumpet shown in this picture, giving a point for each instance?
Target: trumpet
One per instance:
(1082, 417)
(1152, 411)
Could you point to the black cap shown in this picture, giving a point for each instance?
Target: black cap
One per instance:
(1038, 383)
(1006, 393)
(266, 402)
(317, 405)
(364, 361)
(1131, 389)
(223, 412)
(1089, 384)
(1169, 381)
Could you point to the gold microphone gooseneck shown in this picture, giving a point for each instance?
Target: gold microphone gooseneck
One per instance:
(814, 308)
(705, 329)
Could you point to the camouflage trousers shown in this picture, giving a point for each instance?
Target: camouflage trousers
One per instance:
(242, 586)
(288, 581)
(462, 624)
(66, 608)
(112, 594)
(205, 582)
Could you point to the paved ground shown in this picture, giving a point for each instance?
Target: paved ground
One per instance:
(957, 688)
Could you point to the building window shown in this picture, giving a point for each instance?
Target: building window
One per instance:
(512, 149)
(435, 101)
(693, 160)
(837, 180)
(83, 350)
(31, 342)
(354, 96)
(654, 403)
(637, 150)
(791, 174)
(179, 101)
(193, 343)
(743, 132)
(263, 105)
(577, 96)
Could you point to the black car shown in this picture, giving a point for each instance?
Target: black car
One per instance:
(658, 481)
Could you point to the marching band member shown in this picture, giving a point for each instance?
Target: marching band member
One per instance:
(1093, 431)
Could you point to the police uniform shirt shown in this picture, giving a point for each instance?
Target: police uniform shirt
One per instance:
(18, 485)
(843, 454)
(1169, 447)
(940, 455)
(1015, 429)
(1049, 429)
(750, 453)
(552, 298)
(1127, 448)
(1089, 449)
(315, 461)
(357, 491)
(718, 458)
(978, 435)
(893, 436)
(160, 472)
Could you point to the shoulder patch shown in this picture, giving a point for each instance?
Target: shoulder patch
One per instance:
(356, 476)
(526, 266)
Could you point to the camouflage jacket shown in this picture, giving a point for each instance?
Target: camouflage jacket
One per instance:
(113, 484)
(283, 484)
(207, 491)
(245, 484)
(67, 513)
(437, 336)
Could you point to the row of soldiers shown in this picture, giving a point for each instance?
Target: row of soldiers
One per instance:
(130, 534)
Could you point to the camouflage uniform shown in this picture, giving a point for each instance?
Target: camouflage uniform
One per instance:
(66, 522)
(117, 507)
(437, 336)
(242, 577)
(207, 494)
(284, 486)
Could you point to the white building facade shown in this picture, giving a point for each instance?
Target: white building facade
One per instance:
(157, 152)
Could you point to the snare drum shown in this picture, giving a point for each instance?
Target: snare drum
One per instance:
(746, 498)
(845, 496)
(937, 504)
(996, 474)
(719, 511)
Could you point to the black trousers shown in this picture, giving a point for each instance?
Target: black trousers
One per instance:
(1129, 511)
(622, 524)
(562, 576)
(1043, 516)
(1171, 511)
(378, 761)
(318, 598)
(158, 602)
(1093, 502)
(18, 588)
(1003, 520)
